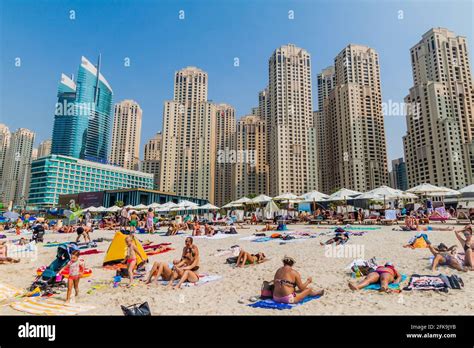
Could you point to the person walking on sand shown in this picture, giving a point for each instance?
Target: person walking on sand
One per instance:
(150, 226)
(131, 257)
(287, 280)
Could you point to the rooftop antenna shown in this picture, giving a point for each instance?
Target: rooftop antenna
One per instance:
(96, 95)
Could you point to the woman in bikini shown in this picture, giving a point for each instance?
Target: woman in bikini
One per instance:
(465, 238)
(286, 281)
(160, 269)
(445, 256)
(150, 227)
(246, 258)
(186, 268)
(383, 274)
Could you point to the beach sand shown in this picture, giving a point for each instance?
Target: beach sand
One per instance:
(237, 285)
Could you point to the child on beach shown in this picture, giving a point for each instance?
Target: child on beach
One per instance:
(131, 258)
(133, 221)
(76, 268)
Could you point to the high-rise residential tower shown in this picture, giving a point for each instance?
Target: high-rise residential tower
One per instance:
(354, 149)
(83, 118)
(44, 148)
(291, 116)
(189, 138)
(251, 177)
(398, 176)
(152, 158)
(16, 173)
(326, 83)
(225, 142)
(5, 137)
(439, 146)
(126, 134)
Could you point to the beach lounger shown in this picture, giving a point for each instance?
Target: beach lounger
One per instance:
(463, 216)
(390, 217)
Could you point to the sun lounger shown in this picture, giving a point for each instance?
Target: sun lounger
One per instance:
(463, 217)
(390, 217)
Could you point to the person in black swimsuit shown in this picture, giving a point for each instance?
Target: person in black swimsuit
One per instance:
(465, 238)
(186, 268)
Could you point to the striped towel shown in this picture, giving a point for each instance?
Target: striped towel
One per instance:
(49, 306)
(8, 291)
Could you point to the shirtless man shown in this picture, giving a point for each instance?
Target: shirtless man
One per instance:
(186, 268)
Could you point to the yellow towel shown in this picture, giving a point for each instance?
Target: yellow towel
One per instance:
(49, 306)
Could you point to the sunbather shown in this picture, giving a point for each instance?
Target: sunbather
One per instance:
(186, 268)
(286, 280)
(445, 256)
(246, 258)
(383, 274)
(268, 227)
(465, 238)
(4, 258)
(160, 269)
(435, 228)
(338, 239)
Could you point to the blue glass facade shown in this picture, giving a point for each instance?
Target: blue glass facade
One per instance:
(54, 175)
(83, 118)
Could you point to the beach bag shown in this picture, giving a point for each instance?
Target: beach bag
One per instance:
(231, 260)
(137, 310)
(267, 290)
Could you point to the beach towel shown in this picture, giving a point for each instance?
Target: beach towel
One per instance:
(159, 251)
(155, 246)
(203, 279)
(216, 236)
(438, 282)
(262, 239)
(8, 291)
(91, 252)
(419, 241)
(392, 286)
(49, 306)
(271, 304)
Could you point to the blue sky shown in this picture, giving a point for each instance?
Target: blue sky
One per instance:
(213, 32)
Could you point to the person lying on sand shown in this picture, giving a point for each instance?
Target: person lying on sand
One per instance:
(186, 268)
(445, 256)
(268, 227)
(4, 258)
(340, 238)
(287, 280)
(383, 274)
(464, 237)
(434, 228)
(246, 258)
(159, 269)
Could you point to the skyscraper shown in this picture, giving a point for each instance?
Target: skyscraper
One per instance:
(354, 149)
(225, 142)
(291, 115)
(126, 134)
(398, 175)
(83, 119)
(251, 177)
(5, 137)
(326, 83)
(17, 167)
(439, 146)
(189, 138)
(44, 148)
(152, 158)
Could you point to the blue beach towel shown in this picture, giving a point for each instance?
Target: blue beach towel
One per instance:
(391, 285)
(270, 304)
(262, 239)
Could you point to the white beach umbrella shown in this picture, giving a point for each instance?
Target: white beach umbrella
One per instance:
(429, 190)
(314, 196)
(286, 196)
(154, 206)
(383, 191)
(113, 209)
(208, 206)
(448, 192)
(101, 209)
(241, 201)
(260, 199)
(140, 207)
(467, 189)
(91, 209)
(228, 205)
(342, 195)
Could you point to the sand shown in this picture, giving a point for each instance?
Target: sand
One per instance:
(224, 297)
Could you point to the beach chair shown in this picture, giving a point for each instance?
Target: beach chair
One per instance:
(442, 215)
(463, 216)
(390, 217)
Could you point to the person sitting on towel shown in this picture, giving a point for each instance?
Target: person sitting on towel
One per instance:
(445, 256)
(340, 238)
(159, 269)
(197, 229)
(286, 280)
(208, 230)
(186, 268)
(246, 258)
(382, 274)
(4, 258)
(467, 244)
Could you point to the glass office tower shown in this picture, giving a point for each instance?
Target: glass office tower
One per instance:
(83, 117)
